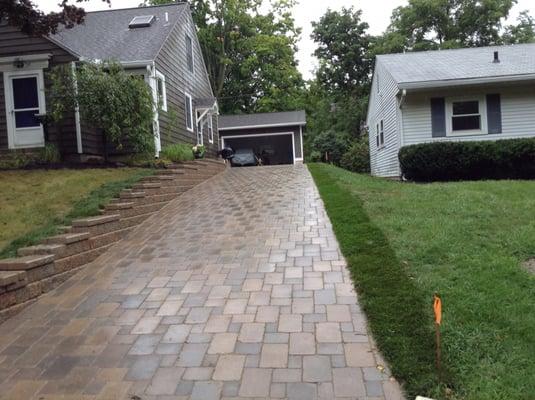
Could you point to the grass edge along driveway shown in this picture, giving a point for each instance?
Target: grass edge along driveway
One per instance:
(36, 203)
(393, 237)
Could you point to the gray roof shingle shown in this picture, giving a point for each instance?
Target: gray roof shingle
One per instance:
(460, 64)
(262, 119)
(105, 34)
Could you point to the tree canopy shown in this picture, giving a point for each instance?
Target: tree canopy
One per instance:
(25, 15)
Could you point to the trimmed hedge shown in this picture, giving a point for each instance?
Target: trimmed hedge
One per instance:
(451, 161)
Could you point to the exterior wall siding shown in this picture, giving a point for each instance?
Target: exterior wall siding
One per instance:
(384, 106)
(15, 43)
(171, 62)
(518, 113)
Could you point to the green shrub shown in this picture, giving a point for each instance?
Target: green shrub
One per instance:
(15, 160)
(331, 145)
(48, 154)
(177, 152)
(449, 161)
(357, 158)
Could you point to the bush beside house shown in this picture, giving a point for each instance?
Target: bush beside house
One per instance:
(451, 161)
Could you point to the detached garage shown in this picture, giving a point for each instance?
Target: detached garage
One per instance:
(275, 138)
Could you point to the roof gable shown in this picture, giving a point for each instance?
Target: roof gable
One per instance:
(106, 34)
(460, 64)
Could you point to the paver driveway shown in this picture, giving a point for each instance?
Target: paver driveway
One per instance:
(236, 289)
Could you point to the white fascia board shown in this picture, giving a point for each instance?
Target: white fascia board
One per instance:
(465, 82)
(231, 128)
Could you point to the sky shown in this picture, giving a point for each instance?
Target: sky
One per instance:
(376, 12)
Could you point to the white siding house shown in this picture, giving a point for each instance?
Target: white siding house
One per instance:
(483, 93)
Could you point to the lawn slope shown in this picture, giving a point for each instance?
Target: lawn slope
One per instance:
(34, 203)
(466, 240)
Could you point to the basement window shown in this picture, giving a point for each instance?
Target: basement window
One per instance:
(142, 21)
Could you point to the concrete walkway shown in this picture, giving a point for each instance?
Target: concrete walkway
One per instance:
(235, 290)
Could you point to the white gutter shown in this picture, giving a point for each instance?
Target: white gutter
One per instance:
(77, 112)
(465, 82)
(229, 128)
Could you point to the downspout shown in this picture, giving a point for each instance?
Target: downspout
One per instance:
(77, 112)
(401, 104)
(151, 72)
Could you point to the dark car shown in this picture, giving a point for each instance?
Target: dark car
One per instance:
(243, 157)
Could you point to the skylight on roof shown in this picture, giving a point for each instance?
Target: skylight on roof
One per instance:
(141, 21)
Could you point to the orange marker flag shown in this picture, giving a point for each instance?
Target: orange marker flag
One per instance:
(437, 306)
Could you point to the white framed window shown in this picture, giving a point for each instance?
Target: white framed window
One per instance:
(188, 107)
(466, 116)
(210, 129)
(161, 92)
(380, 135)
(189, 53)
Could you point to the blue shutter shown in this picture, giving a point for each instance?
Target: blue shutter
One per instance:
(494, 113)
(438, 117)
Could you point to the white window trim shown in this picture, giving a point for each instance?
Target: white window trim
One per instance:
(9, 103)
(192, 71)
(482, 112)
(200, 130)
(189, 100)
(161, 77)
(210, 129)
(380, 129)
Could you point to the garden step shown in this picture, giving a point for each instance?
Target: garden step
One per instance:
(53, 249)
(109, 238)
(147, 185)
(93, 221)
(79, 259)
(120, 205)
(129, 194)
(25, 263)
(67, 238)
(10, 280)
(142, 209)
(157, 178)
(172, 172)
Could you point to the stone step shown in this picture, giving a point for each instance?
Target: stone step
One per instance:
(129, 194)
(141, 209)
(67, 238)
(25, 263)
(146, 185)
(124, 205)
(10, 280)
(172, 172)
(41, 249)
(157, 198)
(77, 260)
(37, 267)
(169, 189)
(108, 238)
(157, 178)
(95, 221)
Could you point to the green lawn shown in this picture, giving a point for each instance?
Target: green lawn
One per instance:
(34, 203)
(466, 241)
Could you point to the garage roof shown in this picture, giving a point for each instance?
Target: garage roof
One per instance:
(262, 120)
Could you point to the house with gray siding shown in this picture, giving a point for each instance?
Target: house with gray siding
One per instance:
(485, 93)
(157, 43)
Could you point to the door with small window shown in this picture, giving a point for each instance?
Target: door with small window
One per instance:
(24, 101)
